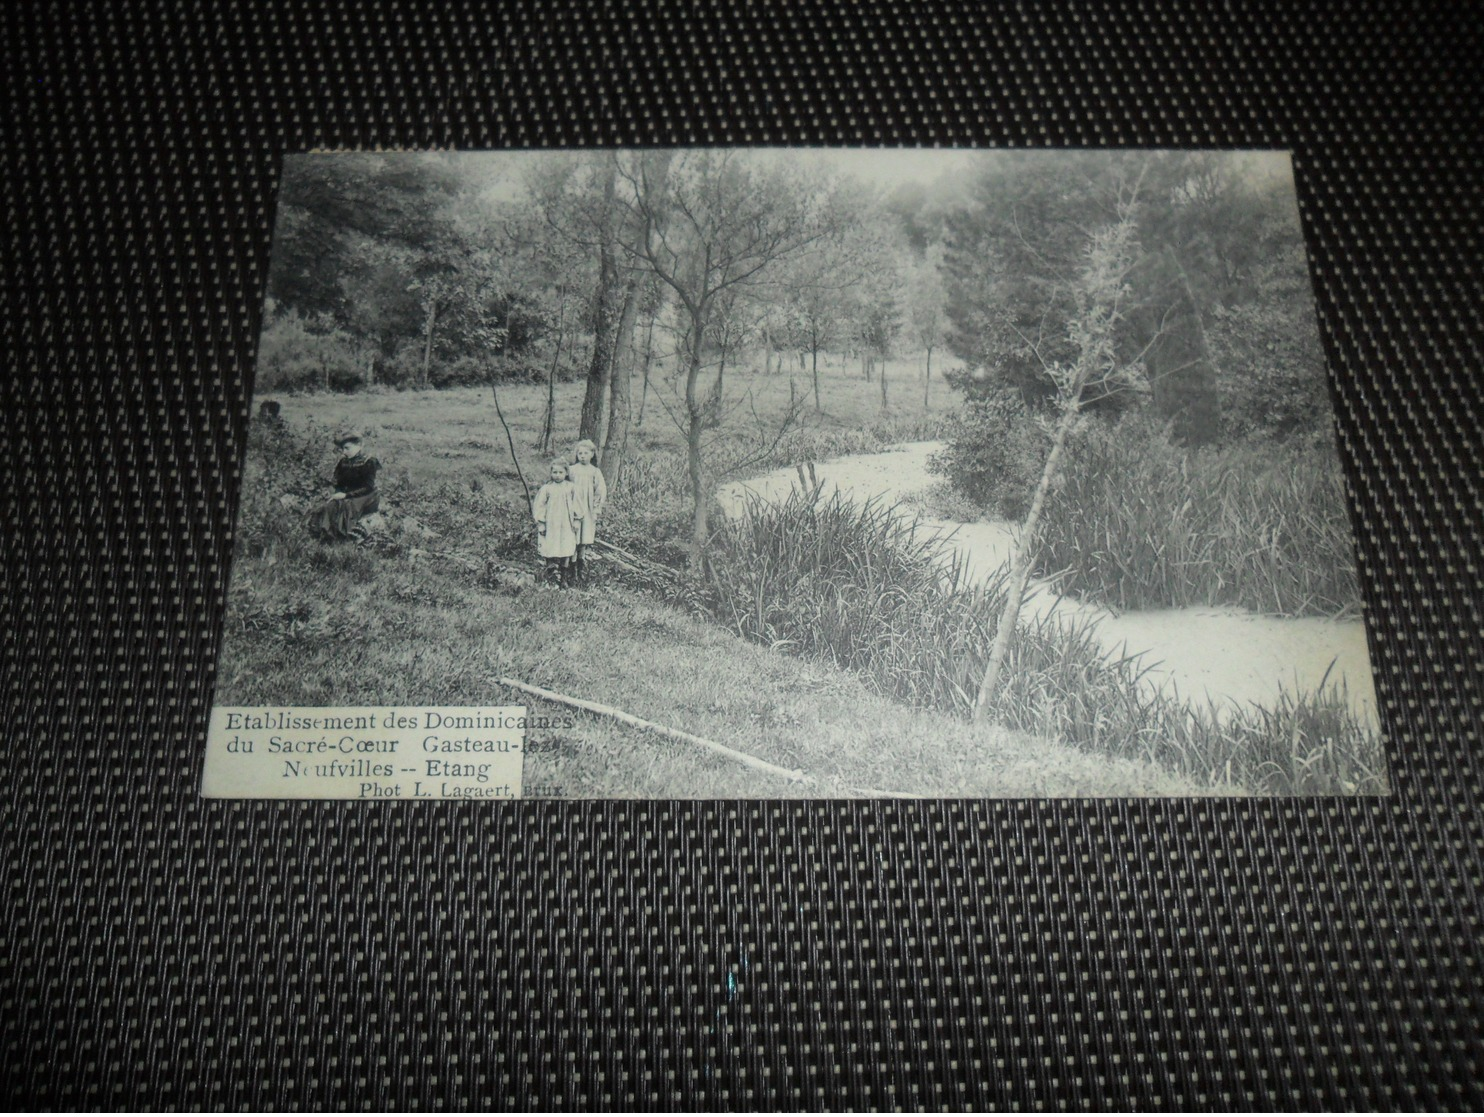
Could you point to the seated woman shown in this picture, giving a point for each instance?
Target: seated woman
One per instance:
(355, 492)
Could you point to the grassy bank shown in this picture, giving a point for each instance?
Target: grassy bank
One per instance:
(424, 635)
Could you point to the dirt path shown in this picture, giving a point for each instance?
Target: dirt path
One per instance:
(1219, 654)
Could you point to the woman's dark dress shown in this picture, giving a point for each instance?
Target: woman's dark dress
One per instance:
(356, 478)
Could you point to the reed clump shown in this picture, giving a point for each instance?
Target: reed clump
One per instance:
(1141, 522)
(857, 584)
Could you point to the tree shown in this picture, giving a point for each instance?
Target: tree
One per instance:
(815, 311)
(356, 223)
(737, 320)
(437, 285)
(925, 320)
(1012, 260)
(577, 201)
(606, 308)
(557, 267)
(1092, 370)
(1266, 349)
(711, 223)
(653, 307)
(377, 306)
(638, 278)
(878, 303)
(820, 286)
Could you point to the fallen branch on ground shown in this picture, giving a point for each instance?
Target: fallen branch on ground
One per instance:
(634, 564)
(792, 775)
(633, 560)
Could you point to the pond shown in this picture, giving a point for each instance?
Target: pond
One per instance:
(1219, 654)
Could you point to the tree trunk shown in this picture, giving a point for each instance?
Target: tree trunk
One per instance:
(881, 375)
(1200, 411)
(621, 355)
(700, 532)
(648, 358)
(816, 379)
(1020, 569)
(548, 425)
(600, 364)
(927, 377)
(428, 327)
(621, 384)
(600, 367)
(714, 397)
(695, 416)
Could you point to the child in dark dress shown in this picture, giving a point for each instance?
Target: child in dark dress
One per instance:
(355, 492)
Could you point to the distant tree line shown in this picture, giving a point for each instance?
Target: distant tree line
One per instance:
(401, 270)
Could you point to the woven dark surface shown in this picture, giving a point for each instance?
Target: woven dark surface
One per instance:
(162, 950)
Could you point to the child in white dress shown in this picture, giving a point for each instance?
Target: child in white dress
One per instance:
(592, 490)
(559, 515)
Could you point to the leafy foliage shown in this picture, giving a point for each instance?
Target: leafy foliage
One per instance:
(1219, 280)
(1270, 367)
(296, 353)
(996, 449)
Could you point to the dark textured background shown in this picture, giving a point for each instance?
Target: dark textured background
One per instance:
(161, 950)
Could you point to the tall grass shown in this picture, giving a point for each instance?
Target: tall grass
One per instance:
(1142, 523)
(855, 583)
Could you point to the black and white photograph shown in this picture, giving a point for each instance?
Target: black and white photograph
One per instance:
(805, 473)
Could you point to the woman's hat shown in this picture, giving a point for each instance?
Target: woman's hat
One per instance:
(344, 436)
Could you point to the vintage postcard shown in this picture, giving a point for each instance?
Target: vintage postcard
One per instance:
(759, 473)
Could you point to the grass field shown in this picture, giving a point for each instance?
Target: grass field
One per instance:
(421, 621)
(454, 435)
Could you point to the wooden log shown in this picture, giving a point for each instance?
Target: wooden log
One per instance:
(792, 775)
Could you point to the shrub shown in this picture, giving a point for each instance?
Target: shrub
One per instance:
(941, 501)
(529, 368)
(995, 453)
(404, 368)
(283, 476)
(460, 372)
(299, 354)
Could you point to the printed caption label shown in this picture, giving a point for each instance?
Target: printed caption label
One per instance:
(365, 752)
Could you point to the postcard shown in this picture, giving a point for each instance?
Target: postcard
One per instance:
(817, 473)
